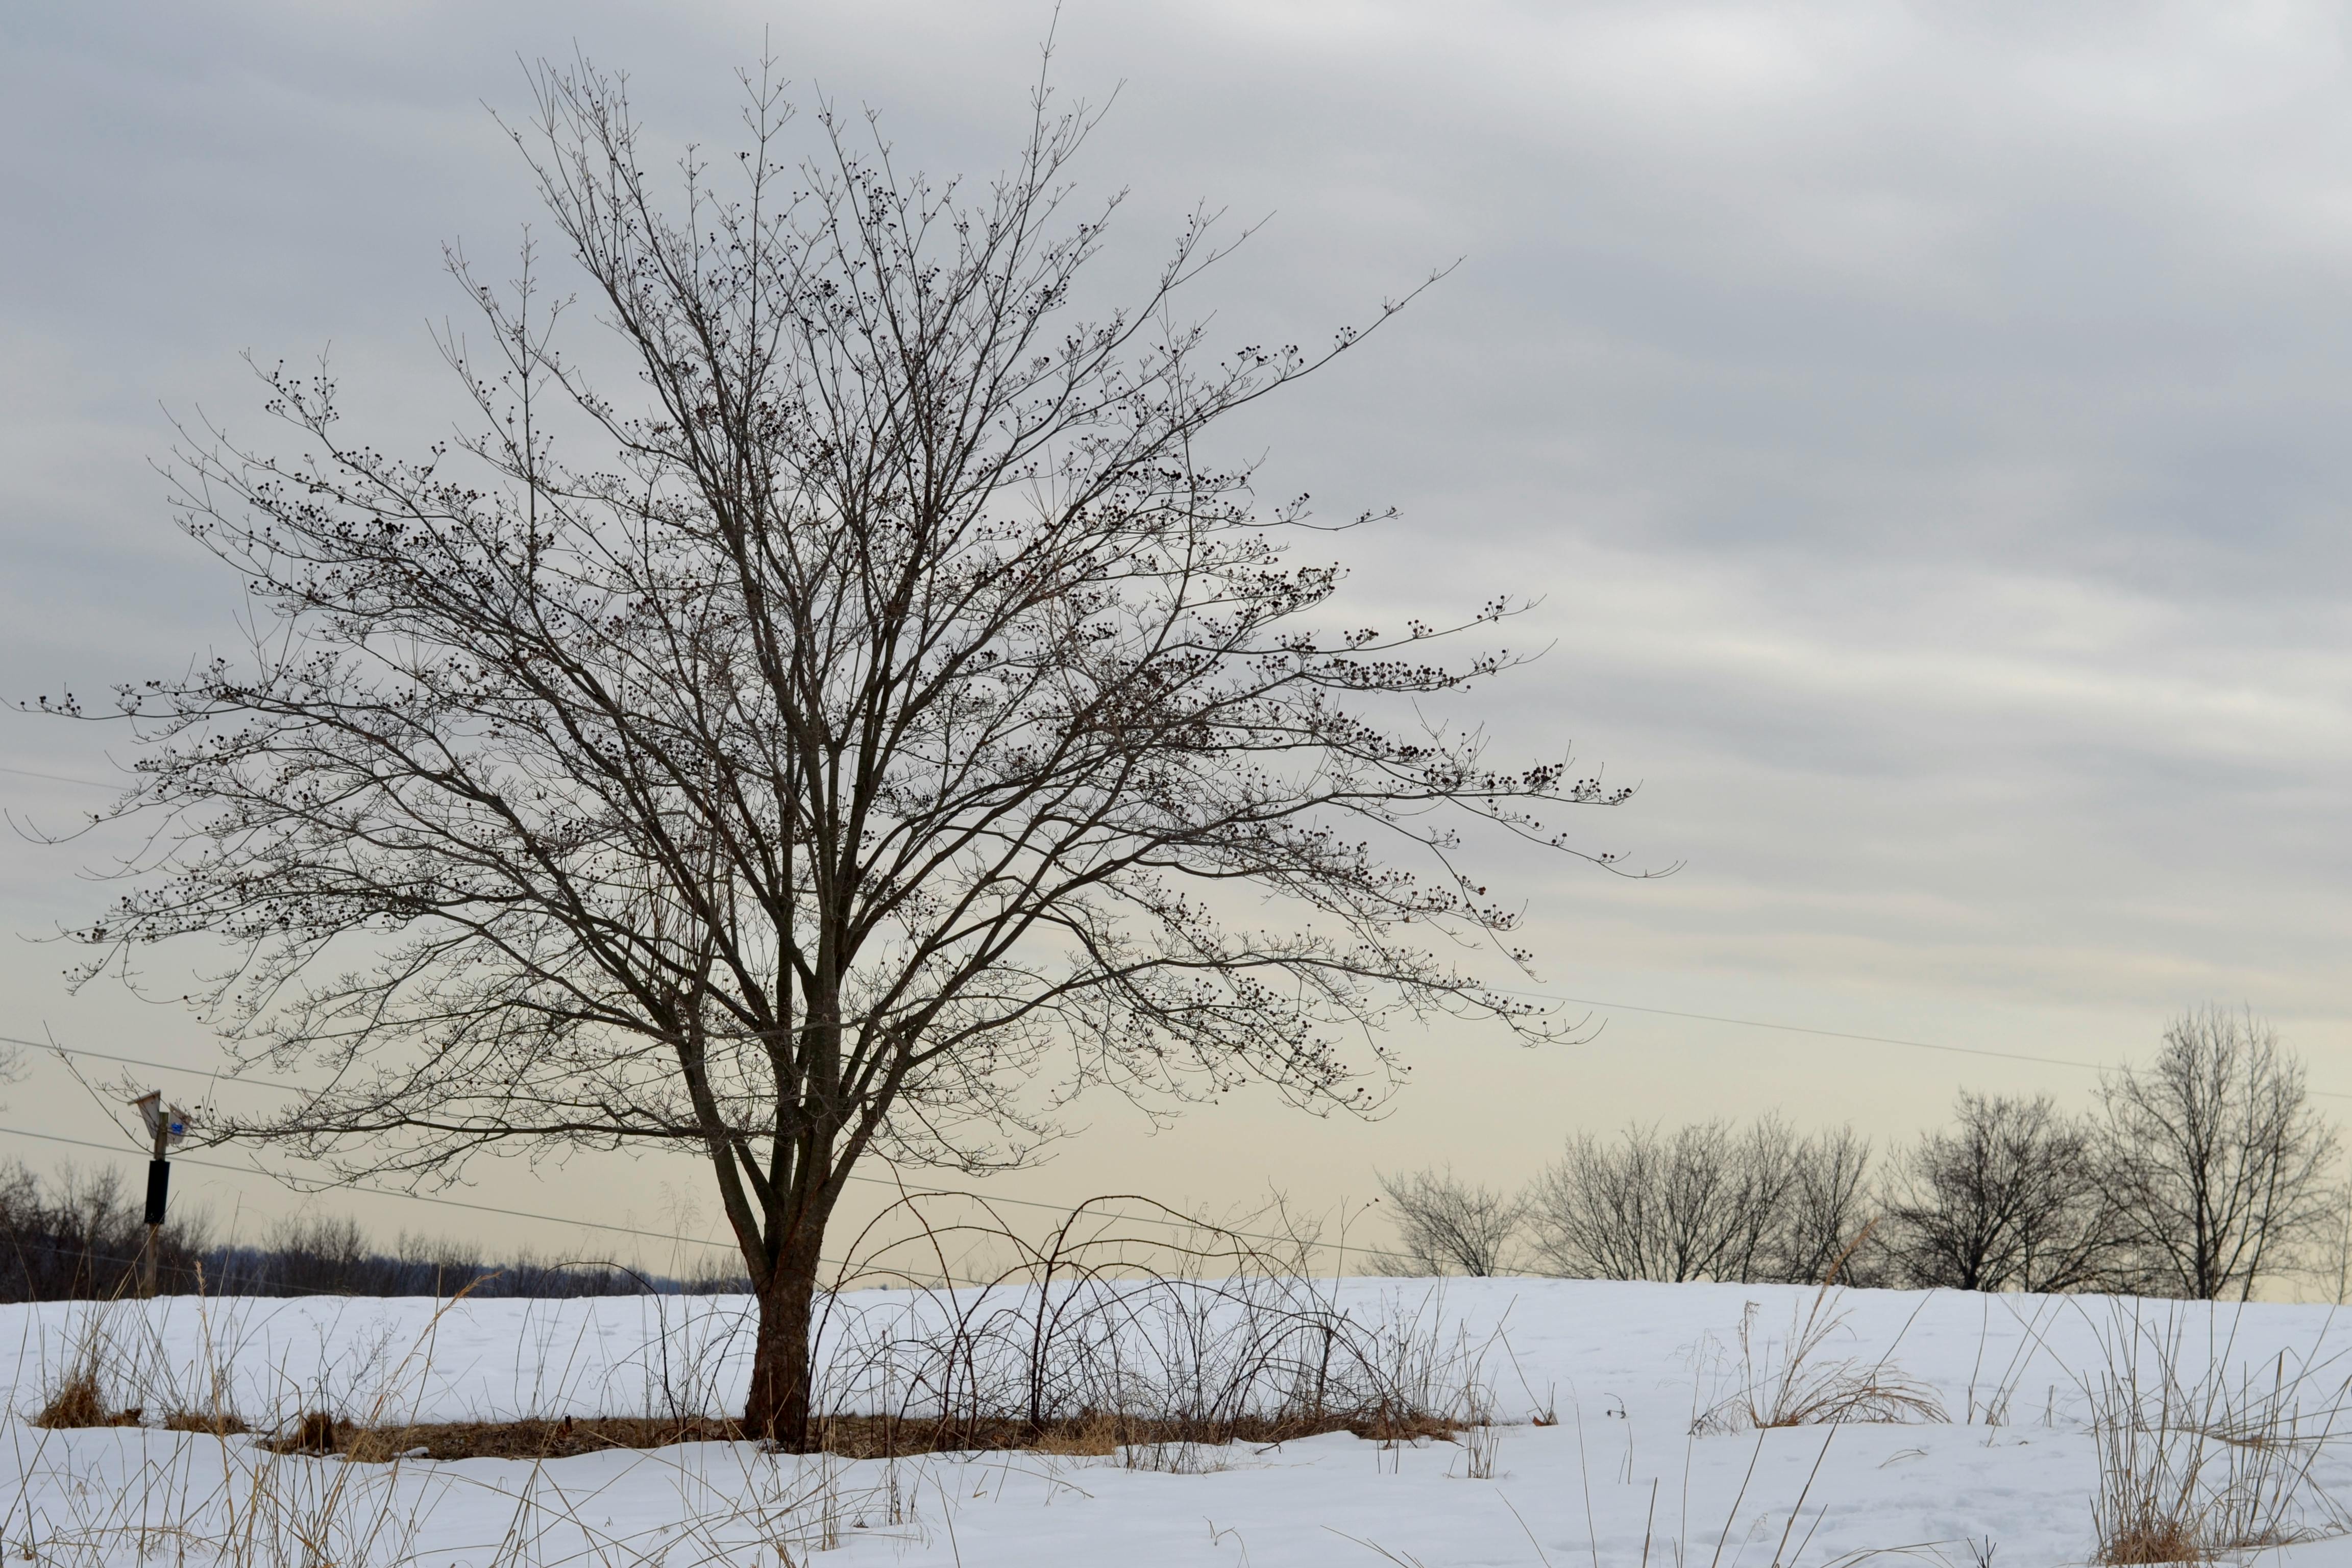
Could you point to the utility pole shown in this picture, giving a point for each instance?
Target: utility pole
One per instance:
(168, 1127)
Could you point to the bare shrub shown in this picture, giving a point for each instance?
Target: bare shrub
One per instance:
(2197, 1461)
(1106, 1331)
(2218, 1158)
(1445, 1225)
(1708, 1201)
(2012, 1194)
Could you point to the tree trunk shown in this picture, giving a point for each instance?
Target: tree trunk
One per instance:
(781, 1404)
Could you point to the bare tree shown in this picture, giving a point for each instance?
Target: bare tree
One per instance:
(2333, 1264)
(1696, 1205)
(1445, 1225)
(82, 1236)
(1709, 1201)
(2218, 1158)
(2011, 1196)
(791, 766)
(1824, 1213)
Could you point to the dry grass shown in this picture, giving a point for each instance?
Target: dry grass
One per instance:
(2196, 1463)
(1095, 1434)
(221, 1499)
(113, 1346)
(77, 1402)
(2153, 1540)
(74, 1387)
(1789, 1381)
(1802, 1390)
(1481, 1445)
(1088, 1348)
(222, 1424)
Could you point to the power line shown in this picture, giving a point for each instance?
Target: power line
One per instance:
(57, 778)
(379, 1191)
(636, 1230)
(665, 1235)
(1828, 1033)
(422, 1198)
(871, 1181)
(1543, 995)
(1872, 1039)
(213, 1073)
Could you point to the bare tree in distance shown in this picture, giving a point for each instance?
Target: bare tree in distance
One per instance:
(1825, 1210)
(2011, 1196)
(1446, 1225)
(1708, 1201)
(877, 724)
(2219, 1160)
(1691, 1205)
(2334, 1263)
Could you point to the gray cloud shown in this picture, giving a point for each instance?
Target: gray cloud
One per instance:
(1922, 425)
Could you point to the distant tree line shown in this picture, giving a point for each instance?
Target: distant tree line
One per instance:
(77, 1237)
(2197, 1175)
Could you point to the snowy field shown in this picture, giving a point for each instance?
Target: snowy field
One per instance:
(1995, 1459)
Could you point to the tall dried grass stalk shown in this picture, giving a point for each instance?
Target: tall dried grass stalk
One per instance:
(2198, 1460)
(1790, 1381)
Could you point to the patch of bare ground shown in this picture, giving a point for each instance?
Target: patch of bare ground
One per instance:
(848, 1437)
(1102, 1432)
(530, 1439)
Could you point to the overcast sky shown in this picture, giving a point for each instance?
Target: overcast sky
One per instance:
(1924, 427)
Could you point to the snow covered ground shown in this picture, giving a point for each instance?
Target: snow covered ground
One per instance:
(2006, 1477)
